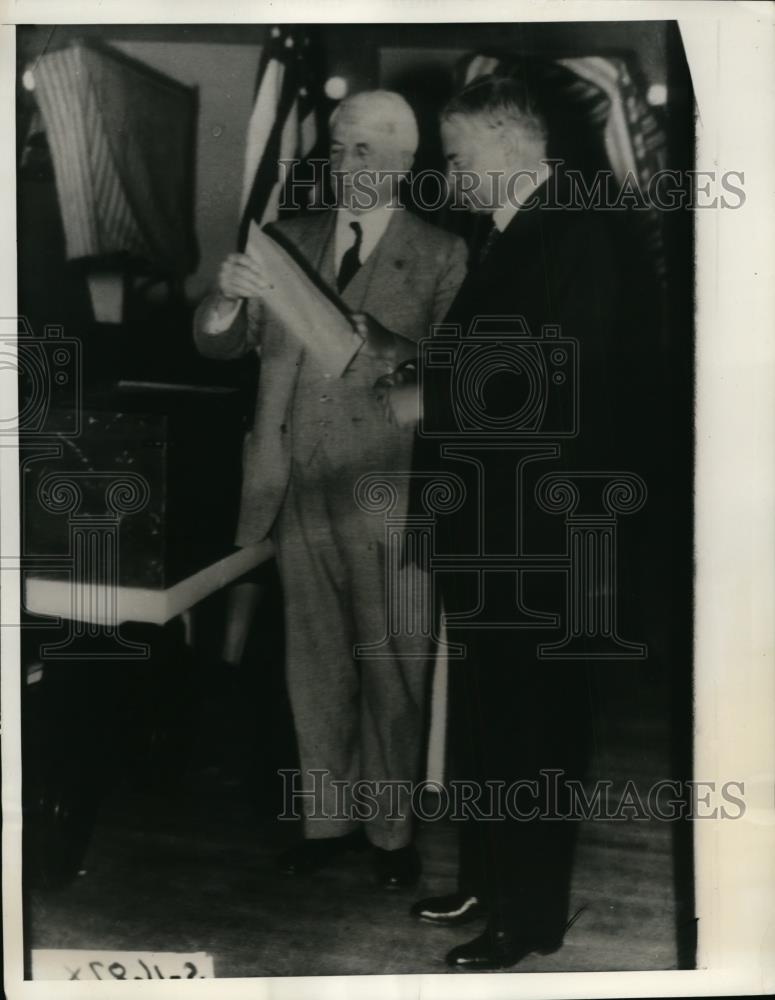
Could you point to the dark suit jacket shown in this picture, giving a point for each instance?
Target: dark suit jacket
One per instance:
(511, 713)
(575, 270)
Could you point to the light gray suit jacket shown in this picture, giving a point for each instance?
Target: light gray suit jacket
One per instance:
(407, 283)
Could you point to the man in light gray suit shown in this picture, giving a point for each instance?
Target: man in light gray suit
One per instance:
(313, 438)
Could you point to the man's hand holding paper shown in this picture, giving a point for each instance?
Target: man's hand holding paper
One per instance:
(241, 277)
(328, 331)
(303, 309)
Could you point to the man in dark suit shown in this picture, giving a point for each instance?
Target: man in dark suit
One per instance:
(516, 718)
(356, 719)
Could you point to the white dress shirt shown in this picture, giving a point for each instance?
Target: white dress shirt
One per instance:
(373, 224)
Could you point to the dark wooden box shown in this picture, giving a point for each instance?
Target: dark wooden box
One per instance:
(159, 468)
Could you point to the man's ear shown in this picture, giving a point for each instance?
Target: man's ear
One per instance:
(511, 143)
(405, 161)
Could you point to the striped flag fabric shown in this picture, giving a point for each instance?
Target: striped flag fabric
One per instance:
(283, 124)
(121, 142)
(95, 211)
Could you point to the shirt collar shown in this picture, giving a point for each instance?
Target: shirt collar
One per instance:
(524, 188)
(373, 223)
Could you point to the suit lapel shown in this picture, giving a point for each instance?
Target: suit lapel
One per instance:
(319, 246)
(388, 266)
(516, 262)
(513, 256)
(523, 231)
(503, 267)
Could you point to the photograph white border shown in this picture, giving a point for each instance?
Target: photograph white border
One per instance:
(730, 48)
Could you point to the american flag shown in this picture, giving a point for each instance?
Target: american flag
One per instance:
(284, 121)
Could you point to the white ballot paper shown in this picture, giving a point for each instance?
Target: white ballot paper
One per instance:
(305, 312)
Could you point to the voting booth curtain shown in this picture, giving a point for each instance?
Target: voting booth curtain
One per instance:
(121, 142)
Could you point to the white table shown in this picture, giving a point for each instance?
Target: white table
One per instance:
(99, 604)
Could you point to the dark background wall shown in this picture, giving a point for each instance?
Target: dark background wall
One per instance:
(419, 60)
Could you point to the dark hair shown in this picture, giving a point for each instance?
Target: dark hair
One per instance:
(499, 102)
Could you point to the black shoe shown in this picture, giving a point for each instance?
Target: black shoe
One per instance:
(397, 869)
(448, 911)
(498, 949)
(310, 855)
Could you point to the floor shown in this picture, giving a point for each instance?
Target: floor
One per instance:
(187, 865)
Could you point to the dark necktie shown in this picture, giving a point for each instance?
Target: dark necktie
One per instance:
(351, 260)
